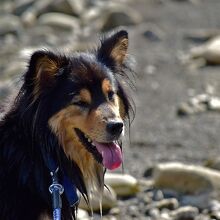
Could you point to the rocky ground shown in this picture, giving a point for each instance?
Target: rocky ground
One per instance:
(177, 51)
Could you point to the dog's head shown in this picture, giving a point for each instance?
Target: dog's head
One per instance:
(85, 102)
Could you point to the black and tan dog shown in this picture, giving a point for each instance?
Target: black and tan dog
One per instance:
(70, 112)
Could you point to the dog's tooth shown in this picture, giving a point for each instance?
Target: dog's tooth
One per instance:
(89, 140)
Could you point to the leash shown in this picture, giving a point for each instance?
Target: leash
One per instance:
(56, 191)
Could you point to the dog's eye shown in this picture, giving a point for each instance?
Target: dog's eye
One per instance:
(81, 104)
(111, 95)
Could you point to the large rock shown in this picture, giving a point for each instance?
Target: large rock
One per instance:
(123, 184)
(187, 179)
(209, 51)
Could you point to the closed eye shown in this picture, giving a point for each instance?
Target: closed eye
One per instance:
(81, 104)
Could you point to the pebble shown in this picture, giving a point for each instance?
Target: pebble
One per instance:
(82, 215)
(120, 16)
(150, 69)
(29, 17)
(199, 103)
(158, 195)
(169, 204)
(77, 6)
(202, 217)
(114, 211)
(154, 213)
(214, 205)
(215, 215)
(214, 104)
(184, 213)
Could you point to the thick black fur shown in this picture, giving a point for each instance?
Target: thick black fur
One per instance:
(26, 141)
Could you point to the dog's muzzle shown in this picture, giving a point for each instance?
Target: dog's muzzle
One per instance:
(115, 128)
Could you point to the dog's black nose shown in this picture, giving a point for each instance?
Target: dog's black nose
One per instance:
(115, 127)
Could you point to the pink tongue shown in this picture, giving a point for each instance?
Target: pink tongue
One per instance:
(111, 154)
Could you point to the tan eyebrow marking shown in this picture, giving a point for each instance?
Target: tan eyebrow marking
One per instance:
(106, 86)
(85, 96)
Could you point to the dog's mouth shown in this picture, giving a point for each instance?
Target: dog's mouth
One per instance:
(109, 154)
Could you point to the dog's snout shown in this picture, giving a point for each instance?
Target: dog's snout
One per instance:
(115, 127)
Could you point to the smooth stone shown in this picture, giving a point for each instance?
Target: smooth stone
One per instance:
(82, 215)
(77, 6)
(90, 14)
(214, 205)
(209, 51)
(158, 195)
(184, 178)
(29, 17)
(214, 104)
(109, 200)
(71, 7)
(154, 213)
(123, 184)
(186, 212)
(170, 204)
(59, 20)
(199, 103)
(215, 215)
(114, 211)
(120, 15)
(202, 217)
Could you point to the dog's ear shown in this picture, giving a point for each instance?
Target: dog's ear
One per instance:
(43, 68)
(114, 48)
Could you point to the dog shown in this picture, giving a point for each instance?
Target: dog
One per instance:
(70, 114)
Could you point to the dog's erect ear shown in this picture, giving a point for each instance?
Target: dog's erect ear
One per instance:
(42, 71)
(114, 47)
